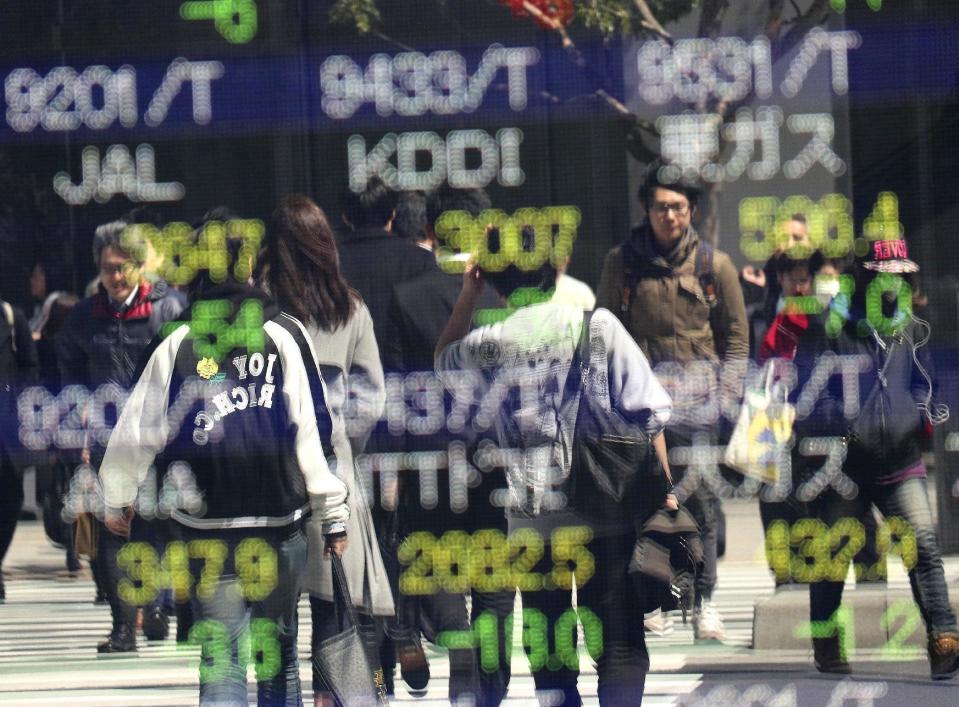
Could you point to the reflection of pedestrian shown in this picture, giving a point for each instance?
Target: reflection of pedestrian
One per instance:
(682, 302)
(18, 367)
(883, 457)
(301, 266)
(255, 438)
(528, 359)
(51, 306)
(100, 344)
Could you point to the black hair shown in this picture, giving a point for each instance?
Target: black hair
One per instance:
(372, 207)
(653, 180)
(446, 198)
(410, 221)
(514, 278)
(202, 281)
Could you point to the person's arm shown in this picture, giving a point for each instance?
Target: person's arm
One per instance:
(140, 434)
(366, 380)
(393, 349)
(729, 320)
(635, 391)
(458, 325)
(305, 397)
(27, 361)
(609, 293)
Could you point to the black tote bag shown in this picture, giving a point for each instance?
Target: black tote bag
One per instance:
(348, 661)
(614, 466)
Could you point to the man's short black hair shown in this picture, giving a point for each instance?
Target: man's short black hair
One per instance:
(653, 180)
(372, 207)
(410, 221)
(513, 278)
(446, 198)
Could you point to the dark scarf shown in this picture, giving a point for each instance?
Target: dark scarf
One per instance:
(642, 244)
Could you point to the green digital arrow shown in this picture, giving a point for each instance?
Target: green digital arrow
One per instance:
(234, 19)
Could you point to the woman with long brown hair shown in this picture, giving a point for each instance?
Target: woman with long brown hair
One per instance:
(300, 266)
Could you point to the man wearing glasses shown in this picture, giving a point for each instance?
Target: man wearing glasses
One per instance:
(682, 302)
(100, 344)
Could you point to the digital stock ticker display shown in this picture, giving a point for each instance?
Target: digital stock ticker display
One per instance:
(801, 325)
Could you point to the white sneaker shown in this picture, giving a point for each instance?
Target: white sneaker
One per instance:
(658, 623)
(708, 623)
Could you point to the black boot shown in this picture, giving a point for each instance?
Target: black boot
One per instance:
(156, 625)
(3, 590)
(944, 655)
(120, 640)
(828, 656)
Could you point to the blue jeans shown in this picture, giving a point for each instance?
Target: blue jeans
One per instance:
(247, 613)
(908, 500)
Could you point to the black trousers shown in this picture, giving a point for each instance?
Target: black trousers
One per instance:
(11, 501)
(611, 618)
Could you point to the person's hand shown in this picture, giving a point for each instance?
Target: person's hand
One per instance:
(85, 456)
(335, 545)
(118, 522)
(754, 275)
(473, 281)
(672, 503)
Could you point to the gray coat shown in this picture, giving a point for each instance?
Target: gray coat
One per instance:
(350, 363)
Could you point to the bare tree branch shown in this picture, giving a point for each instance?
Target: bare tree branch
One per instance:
(649, 20)
(774, 20)
(815, 16)
(711, 18)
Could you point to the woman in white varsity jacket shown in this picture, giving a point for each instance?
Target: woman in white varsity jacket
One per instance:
(233, 393)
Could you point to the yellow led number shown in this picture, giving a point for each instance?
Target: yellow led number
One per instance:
(829, 222)
(489, 561)
(181, 255)
(811, 551)
(553, 232)
(145, 573)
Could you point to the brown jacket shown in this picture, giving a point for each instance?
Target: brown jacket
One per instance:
(669, 315)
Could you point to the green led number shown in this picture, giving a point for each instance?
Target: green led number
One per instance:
(565, 633)
(813, 559)
(489, 561)
(214, 642)
(417, 551)
(535, 638)
(592, 631)
(256, 565)
(888, 282)
(235, 20)
(139, 561)
(213, 553)
(451, 564)
(568, 546)
(896, 648)
(854, 533)
(525, 550)
(485, 627)
(212, 334)
(840, 624)
(265, 648)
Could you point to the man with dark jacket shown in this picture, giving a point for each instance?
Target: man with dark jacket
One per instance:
(418, 314)
(681, 301)
(100, 344)
(372, 258)
(18, 368)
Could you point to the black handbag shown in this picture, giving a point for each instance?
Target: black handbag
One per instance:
(666, 559)
(348, 661)
(614, 466)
